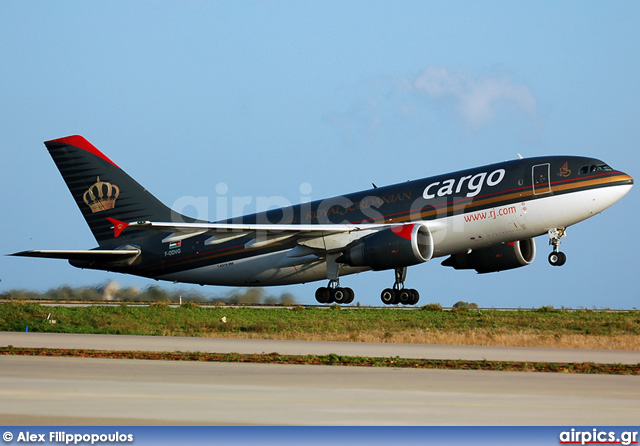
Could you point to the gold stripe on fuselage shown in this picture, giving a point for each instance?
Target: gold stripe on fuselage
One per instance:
(522, 194)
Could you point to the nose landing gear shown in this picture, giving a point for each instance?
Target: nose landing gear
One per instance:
(557, 258)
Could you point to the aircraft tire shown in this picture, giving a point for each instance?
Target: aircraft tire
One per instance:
(388, 296)
(563, 258)
(350, 295)
(415, 297)
(557, 258)
(322, 295)
(339, 295)
(404, 296)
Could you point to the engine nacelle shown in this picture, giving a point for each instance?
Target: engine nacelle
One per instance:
(495, 258)
(395, 247)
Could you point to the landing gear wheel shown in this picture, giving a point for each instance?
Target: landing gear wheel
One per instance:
(331, 294)
(563, 258)
(350, 295)
(404, 296)
(408, 296)
(415, 297)
(322, 295)
(557, 258)
(339, 295)
(388, 296)
(330, 298)
(400, 294)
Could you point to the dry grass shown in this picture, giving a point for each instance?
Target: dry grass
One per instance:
(545, 327)
(620, 342)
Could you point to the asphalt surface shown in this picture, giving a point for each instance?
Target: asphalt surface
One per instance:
(89, 391)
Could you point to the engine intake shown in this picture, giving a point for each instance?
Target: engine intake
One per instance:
(495, 258)
(394, 247)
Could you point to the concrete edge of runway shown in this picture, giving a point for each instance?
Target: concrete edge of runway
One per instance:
(260, 346)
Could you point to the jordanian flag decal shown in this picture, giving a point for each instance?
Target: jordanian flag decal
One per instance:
(175, 245)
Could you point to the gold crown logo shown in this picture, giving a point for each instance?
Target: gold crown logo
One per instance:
(101, 196)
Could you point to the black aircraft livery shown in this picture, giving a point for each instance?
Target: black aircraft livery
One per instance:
(483, 219)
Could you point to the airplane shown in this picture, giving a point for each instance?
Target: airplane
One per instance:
(483, 218)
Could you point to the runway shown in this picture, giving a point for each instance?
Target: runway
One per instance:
(221, 345)
(86, 391)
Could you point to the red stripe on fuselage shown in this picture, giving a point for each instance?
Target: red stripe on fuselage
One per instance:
(406, 230)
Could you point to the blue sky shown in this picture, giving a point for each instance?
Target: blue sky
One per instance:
(316, 99)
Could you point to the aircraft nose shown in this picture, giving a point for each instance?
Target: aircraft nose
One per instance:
(614, 189)
(624, 184)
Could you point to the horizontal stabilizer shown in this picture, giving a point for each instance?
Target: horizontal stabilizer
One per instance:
(95, 255)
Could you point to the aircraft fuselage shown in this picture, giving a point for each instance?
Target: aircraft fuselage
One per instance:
(467, 210)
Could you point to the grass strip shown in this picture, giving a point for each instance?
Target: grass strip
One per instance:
(336, 360)
(541, 328)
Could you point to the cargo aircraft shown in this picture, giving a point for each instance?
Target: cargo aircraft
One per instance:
(483, 218)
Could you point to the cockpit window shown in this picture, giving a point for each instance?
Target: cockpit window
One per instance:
(594, 168)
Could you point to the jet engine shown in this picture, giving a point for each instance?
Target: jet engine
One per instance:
(394, 247)
(495, 258)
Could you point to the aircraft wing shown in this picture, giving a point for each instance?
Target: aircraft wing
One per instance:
(263, 234)
(95, 255)
(163, 226)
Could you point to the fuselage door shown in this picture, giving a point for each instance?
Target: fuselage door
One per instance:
(540, 180)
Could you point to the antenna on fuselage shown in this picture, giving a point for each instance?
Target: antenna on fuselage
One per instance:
(519, 156)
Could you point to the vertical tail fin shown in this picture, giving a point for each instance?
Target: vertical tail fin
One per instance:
(102, 190)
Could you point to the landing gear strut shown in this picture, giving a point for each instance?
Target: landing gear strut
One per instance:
(333, 292)
(399, 294)
(556, 258)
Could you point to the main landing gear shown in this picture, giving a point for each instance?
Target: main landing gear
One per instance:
(333, 293)
(399, 294)
(556, 258)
